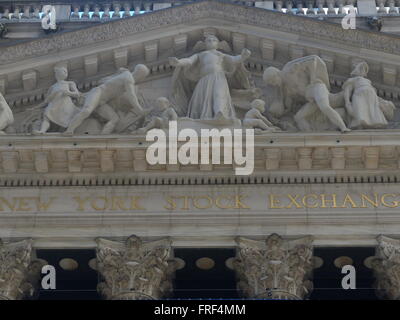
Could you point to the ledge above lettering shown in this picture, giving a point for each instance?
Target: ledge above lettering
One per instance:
(328, 157)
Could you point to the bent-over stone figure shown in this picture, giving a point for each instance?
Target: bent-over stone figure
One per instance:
(305, 81)
(166, 113)
(6, 115)
(366, 109)
(255, 120)
(212, 72)
(60, 107)
(111, 87)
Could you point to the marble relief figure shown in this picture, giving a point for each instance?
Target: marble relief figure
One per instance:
(254, 119)
(202, 82)
(206, 89)
(304, 84)
(60, 107)
(165, 113)
(98, 99)
(366, 109)
(6, 115)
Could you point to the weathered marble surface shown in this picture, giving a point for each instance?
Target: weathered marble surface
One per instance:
(210, 70)
(59, 103)
(135, 270)
(366, 109)
(305, 82)
(6, 115)
(275, 268)
(19, 271)
(111, 88)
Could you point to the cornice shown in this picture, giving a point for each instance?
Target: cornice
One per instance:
(218, 9)
(280, 158)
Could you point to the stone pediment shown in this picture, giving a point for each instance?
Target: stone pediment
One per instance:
(96, 52)
(189, 14)
(274, 38)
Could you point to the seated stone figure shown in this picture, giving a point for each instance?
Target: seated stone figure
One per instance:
(366, 109)
(166, 113)
(255, 120)
(6, 115)
(60, 108)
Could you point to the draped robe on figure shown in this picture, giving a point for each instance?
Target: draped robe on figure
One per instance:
(203, 89)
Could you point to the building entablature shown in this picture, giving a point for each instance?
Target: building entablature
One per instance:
(278, 158)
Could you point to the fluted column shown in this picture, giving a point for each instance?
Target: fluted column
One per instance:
(19, 272)
(386, 266)
(135, 270)
(274, 268)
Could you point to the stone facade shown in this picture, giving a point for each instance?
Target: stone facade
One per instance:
(75, 108)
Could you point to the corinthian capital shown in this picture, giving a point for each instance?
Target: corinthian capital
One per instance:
(387, 268)
(135, 270)
(19, 272)
(274, 268)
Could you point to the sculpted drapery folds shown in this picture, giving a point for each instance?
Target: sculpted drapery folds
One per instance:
(304, 86)
(6, 115)
(59, 103)
(19, 272)
(274, 268)
(202, 83)
(135, 270)
(100, 99)
(366, 109)
(209, 85)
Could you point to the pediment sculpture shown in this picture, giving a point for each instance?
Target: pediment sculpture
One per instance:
(212, 89)
(202, 83)
(304, 97)
(70, 109)
(366, 109)
(6, 115)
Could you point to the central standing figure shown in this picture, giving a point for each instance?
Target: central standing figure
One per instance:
(213, 73)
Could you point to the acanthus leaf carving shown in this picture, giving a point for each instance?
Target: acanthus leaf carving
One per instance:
(19, 271)
(386, 266)
(274, 268)
(135, 270)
